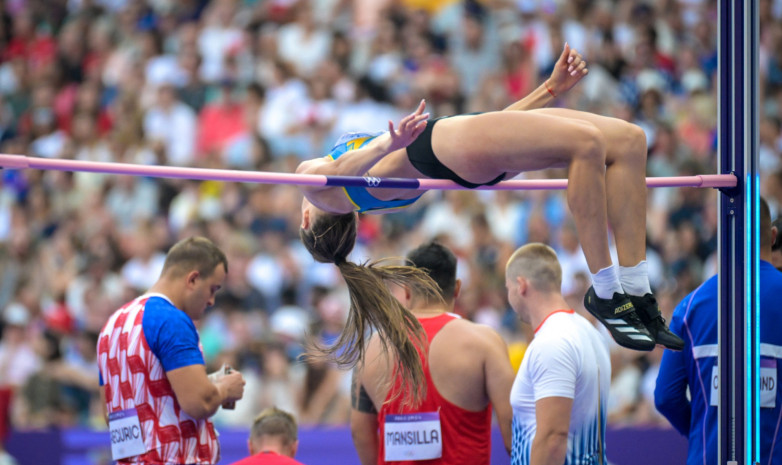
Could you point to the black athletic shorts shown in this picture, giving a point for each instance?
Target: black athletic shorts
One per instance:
(422, 157)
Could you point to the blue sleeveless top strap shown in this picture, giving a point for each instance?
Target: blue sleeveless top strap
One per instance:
(360, 197)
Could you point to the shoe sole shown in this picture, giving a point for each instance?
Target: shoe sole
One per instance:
(670, 347)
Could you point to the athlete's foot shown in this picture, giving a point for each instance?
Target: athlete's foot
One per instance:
(619, 317)
(649, 312)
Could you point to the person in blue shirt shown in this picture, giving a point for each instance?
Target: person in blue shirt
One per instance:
(152, 369)
(695, 367)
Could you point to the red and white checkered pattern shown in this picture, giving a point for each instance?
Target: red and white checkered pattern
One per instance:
(133, 377)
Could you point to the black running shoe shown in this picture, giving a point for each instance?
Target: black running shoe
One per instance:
(649, 312)
(619, 317)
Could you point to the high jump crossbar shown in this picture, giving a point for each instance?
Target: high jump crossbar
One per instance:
(207, 174)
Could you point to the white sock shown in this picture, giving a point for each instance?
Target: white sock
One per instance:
(635, 279)
(606, 282)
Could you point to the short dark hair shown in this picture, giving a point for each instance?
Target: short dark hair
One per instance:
(777, 240)
(765, 225)
(439, 263)
(194, 253)
(275, 422)
(538, 263)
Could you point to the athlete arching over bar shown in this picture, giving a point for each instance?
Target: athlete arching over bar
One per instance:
(606, 162)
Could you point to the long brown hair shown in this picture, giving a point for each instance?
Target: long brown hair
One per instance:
(330, 239)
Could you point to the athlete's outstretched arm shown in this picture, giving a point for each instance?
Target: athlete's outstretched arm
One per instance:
(568, 71)
(358, 162)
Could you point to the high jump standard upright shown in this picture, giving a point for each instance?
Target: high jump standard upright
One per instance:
(739, 330)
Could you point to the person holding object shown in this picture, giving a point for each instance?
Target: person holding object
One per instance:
(214, 377)
(687, 391)
(467, 372)
(606, 161)
(274, 439)
(560, 394)
(156, 392)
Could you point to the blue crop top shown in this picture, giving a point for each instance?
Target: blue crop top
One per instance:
(361, 199)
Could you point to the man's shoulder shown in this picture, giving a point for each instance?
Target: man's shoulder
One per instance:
(160, 312)
(463, 330)
(157, 302)
(544, 341)
(152, 304)
(563, 333)
(471, 343)
(771, 276)
(561, 325)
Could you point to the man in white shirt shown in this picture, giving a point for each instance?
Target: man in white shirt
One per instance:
(560, 393)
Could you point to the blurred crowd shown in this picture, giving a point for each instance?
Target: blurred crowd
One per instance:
(261, 85)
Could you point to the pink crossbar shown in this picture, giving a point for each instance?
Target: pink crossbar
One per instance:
(22, 162)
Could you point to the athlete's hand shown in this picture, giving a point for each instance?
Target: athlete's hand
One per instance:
(233, 386)
(409, 129)
(569, 69)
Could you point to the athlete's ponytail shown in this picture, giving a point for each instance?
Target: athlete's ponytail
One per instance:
(329, 240)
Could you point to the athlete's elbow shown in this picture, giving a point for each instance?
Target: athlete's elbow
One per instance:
(661, 403)
(360, 436)
(302, 168)
(676, 411)
(365, 442)
(666, 401)
(550, 446)
(201, 406)
(197, 410)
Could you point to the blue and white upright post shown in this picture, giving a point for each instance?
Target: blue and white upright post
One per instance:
(739, 338)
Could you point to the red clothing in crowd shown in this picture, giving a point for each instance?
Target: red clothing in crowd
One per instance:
(218, 124)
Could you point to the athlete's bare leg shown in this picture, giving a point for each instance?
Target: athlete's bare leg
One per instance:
(625, 181)
(479, 148)
(626, 208)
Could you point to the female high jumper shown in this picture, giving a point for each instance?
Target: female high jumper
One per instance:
(606, 162)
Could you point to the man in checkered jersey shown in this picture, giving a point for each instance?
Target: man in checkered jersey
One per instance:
(156, 391)
(559, 396)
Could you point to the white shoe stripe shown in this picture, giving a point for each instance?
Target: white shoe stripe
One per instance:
(639, 337)
(616, 321)
(627, 329)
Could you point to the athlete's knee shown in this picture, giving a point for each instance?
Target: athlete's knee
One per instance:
(637, 142)
(631, 147)
(590, 144)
